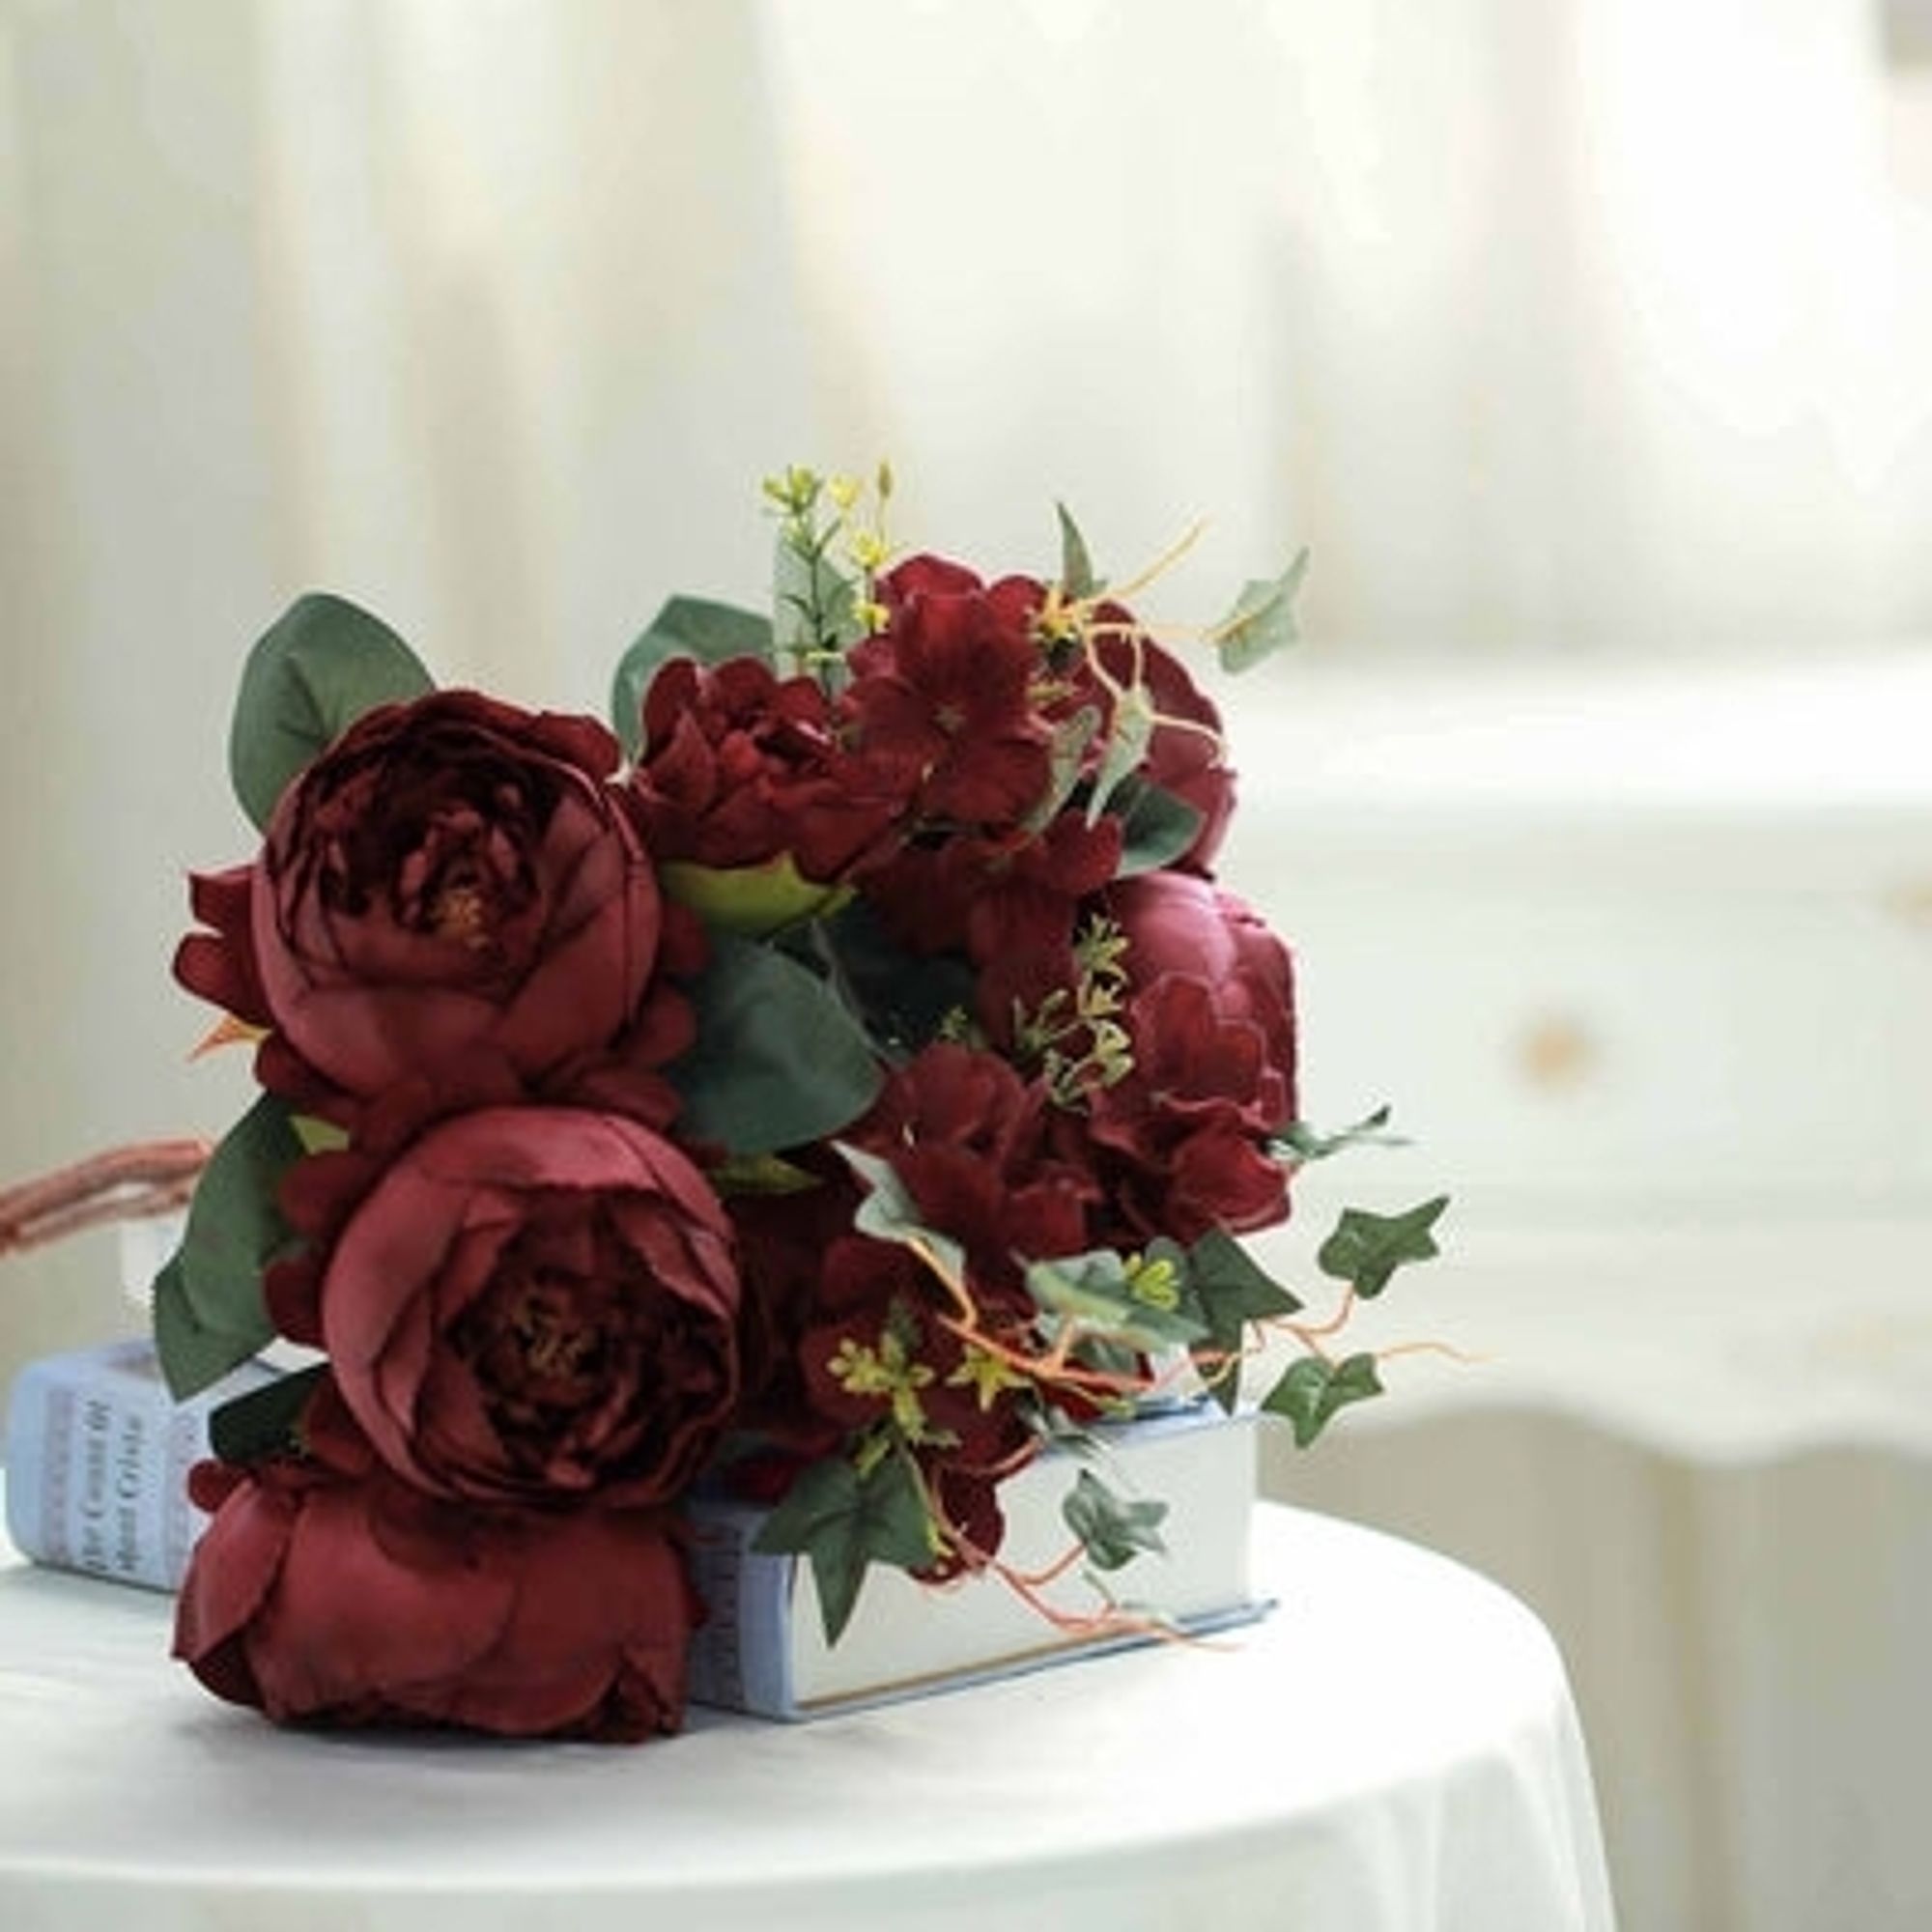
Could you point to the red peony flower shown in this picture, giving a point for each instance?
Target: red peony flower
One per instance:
(741, 768)
(946, 694)
(534, 1303)
(337, 1595)
(1181, 1141)
(450, 876)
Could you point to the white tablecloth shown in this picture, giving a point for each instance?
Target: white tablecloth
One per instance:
(1704, 1454)
(1394, 1750)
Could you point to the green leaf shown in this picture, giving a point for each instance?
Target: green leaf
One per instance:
(1128, 736)
(215, 1316)
(816, 605)
(687, 627)
(906, 998)
(1263, 619)
(1096, 1291)
(263, 1422)
(778, 1060)
(1077, 566)
(192, 1353)
(844, 1521)
(1113, 1530)
(1230, 1290)
(1313, 1391)
(889, 1213)
(1156, 826)
(1305, 1144)
(1366, 1249)
(317, 668)
(1066, 755)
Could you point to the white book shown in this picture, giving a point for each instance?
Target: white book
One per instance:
(765, 1648)
(98, 1456)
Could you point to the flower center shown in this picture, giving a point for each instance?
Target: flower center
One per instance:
(461, 911)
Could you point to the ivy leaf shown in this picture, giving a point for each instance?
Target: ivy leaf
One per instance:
(1263, 619)
(1305, 1144)
(778, 1060)
(209, 1312)
(1313, 1392)
(1156, 826)
(1077, 566)
(1366, 1249)
(1113, 1530)
(889, 1213)
(263, 1422)
(1096, 1291)
(1230, 1290)
(687, 627)
(313, 672)
(844, 1520)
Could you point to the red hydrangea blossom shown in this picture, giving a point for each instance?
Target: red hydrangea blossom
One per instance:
(946, 694)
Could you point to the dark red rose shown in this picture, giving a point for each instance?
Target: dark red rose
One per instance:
(326, 1596)
(947, 694)
(536, 1302)
(741, 768)
(451, 875)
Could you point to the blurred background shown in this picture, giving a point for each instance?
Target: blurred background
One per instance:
(1587, 344)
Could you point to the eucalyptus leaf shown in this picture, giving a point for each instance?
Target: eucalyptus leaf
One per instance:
(317, 668)
(1313, 1392)
(1366, 1249)
(905, 998)
(1156, 826)
(844, 1521)
(1128, 737)
(1066, 755)
(687, 627)
(1111, 1529)
(1076, 565)
(778, 1060)
(263, 1422)
(1263, 619)
(194, 1353)
(234, 1230)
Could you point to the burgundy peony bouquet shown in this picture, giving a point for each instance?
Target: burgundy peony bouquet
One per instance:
(832, 1085)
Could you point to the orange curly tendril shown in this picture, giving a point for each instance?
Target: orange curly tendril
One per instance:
(122, 1183)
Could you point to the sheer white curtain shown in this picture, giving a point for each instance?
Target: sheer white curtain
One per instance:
(1564, 326)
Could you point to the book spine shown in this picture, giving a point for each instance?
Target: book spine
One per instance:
(739, 1657)
(97, 1471)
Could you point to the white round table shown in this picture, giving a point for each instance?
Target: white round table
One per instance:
(1393, 1749)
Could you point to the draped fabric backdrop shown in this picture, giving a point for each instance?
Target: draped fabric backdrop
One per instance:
(1550, 328)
